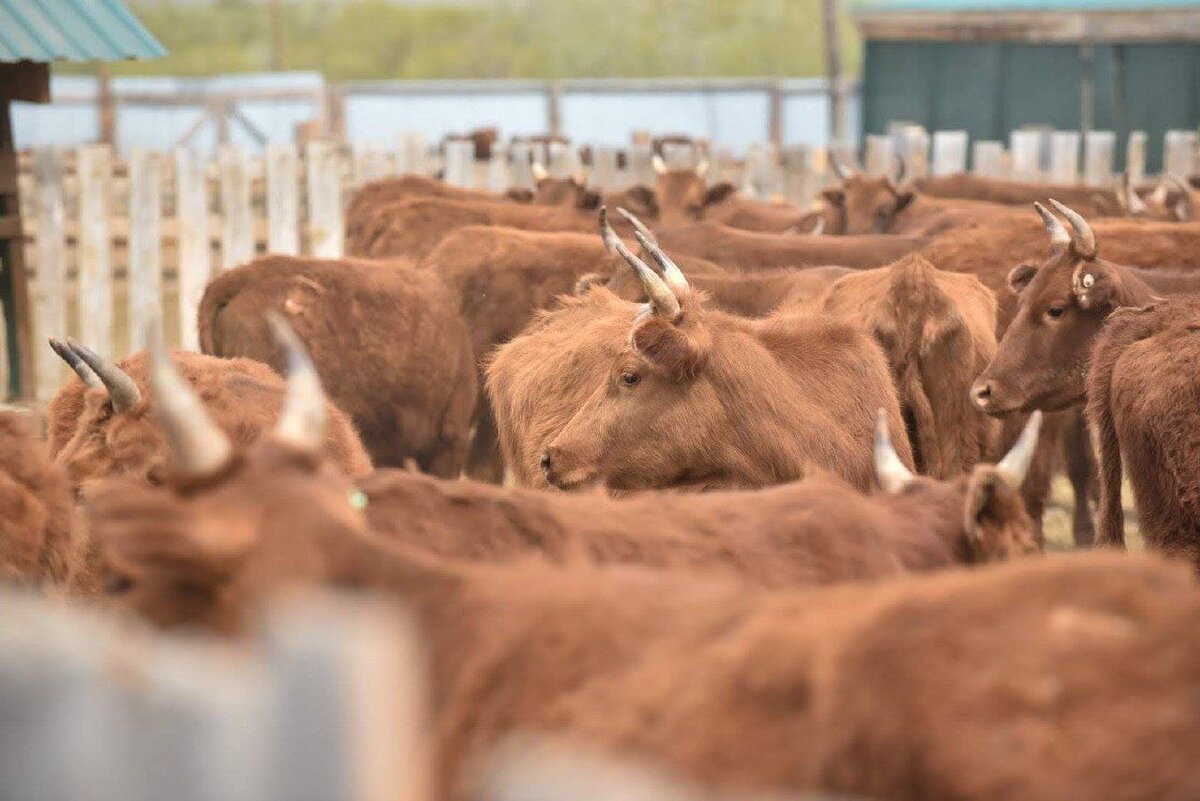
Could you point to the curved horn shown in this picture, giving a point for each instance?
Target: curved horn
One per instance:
(1183, 206)
(660, 166)
(75, 363)
(1060, 238)
(302, 423)
(891, 472)
(819, 228)
(198, 446)
(539, 172)
(606, 231)
(1133, 201)
(670, 270)
(122, 391)
(1084, 239)
(661, 297)
(901, 169)
(637, 224)
(838, 168)
(702, 168)
(1015, 464)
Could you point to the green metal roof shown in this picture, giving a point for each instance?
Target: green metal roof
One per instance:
(74, 30)
(1022, 5)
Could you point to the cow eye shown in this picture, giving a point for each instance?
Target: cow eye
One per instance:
(630, 379)
(1055, 311)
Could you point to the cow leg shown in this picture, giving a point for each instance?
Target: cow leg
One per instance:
(484, 462)
(1081, 470)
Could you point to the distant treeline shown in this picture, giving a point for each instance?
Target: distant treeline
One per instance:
(500, 39)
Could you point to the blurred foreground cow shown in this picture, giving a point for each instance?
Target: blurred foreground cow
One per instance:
(675, 394)
(749, 250)
(387, 339)
(896, 690)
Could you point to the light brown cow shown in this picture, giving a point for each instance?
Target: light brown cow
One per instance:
(674, 394)
(387, 338)
(684, 196)
(1089, 200)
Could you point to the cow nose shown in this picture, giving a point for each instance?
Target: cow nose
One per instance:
(981, 393)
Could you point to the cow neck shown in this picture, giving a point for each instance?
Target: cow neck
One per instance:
(367, 561)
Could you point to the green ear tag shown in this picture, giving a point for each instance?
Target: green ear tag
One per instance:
(358, 500)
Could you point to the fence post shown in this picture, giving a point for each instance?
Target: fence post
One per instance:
(640, 160)
(460, 164)
(880, 156)
(605, 175)
(1135, 157)
(237, 233)
(145, 244)
(371, 163)
(94, 170)
(520, 160)
(1099, 149)
(411, 154)
(1064, 156)
(1179, 153)
(51, 267)
(195, 242)
(564, 160)
(912, 149)
(283, 199)
(326, 228)
(988, 159)
(949, 152)
(497, 170)
(1025, 151)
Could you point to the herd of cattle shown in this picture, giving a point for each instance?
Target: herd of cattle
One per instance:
(733, 469)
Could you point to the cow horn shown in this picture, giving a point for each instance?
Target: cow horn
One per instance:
(1183, 206)
(891, 472)
(1084, 239)
(539, 171)
(77, 364)
(901, 170)
(670, 270)
(637, 224)
(122, 390)
(1133, 201)
(1060, 238)
(302, 423)
(1015, 464)
(660, 166)
(607, 234)
(819, 228)
(665, 303)
(702, 168)
(198, 446)
(838, 168)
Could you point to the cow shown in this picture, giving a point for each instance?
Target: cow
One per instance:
(388, 339)
(676, 394)
(1087, 200)
(37, 526)
(814, 690)
(573, 192)
(683, 196)
(748, 250)
(100, 422)
(1141, 402)
(937, 330)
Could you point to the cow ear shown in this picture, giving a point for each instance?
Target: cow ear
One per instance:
(1094, 286)
(641, 201)
(995, 521)
(1020, 276)
(719, 193)
(834, 195)
(589, 200)
(676, 351)
(519, 195)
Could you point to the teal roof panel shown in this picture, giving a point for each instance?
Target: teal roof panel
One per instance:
(1023, 5)
(72, 30)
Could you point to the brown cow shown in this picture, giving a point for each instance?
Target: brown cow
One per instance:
(100, 424)
(868, 678)
(387, 338)
(1088, 200)
(573, 192)
(747, 250)
(684, 196)
(674, 394)
(37, 540)
(1142, 393)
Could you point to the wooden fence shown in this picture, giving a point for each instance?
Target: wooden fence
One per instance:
(115, 245)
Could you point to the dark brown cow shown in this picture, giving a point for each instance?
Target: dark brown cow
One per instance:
(37, 542)
(100, 423)
(387, 338)
(835, 690)
(1142, 393)
(749, 250)
(675, 394)
(1087, 200)
(684, 196)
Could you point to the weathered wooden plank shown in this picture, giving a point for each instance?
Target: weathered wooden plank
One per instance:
(1025, 152)
(1099, 152)
(237, 242)
(605, 174)
(95, 248)
(195, 253)
(283, 199)
(949, 152)
(145, 245)
(371, 162)
(987, 159)
(497, 171)
(1179, 153)
(411, 153)
(326, 228)
(51, 286)
(1135, 157)
(1064, 156)
(460, 164)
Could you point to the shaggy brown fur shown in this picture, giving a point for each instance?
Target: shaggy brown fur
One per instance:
(937, 330)
(1143, 393)
(683, 197)
(243, 397)
(748, 250)
(760, 293)
(386, 338)
(1088, 201)
(36, 517)
(864, 205)
(900, 690)
(720, 401)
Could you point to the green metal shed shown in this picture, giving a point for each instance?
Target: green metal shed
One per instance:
(989, 66)
(33, 33)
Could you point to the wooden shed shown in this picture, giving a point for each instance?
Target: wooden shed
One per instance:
(990, 66)
(32, 34)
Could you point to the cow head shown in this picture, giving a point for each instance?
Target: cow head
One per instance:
(1042, 360)
(981, 513)
(574, 193)
(229, 526)
(684, 194)
(862, 204)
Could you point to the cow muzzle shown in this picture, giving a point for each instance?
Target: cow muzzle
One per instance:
(561, 471)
